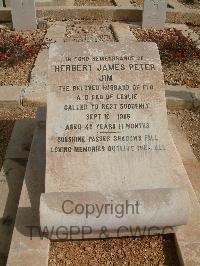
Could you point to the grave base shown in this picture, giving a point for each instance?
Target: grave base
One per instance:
(33, 248)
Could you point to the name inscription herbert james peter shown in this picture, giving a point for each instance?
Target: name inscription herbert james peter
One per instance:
(106, 118)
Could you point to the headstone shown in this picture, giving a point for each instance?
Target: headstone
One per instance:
(107, 135)
(154, 14)
(23, 14)
(106, 114)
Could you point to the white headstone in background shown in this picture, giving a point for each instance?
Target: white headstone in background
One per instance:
(154, 14)
(23, 14)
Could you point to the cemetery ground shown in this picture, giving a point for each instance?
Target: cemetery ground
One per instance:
(136, 3)
(181, 67)
(190, 4)
(92, 2)
(105, 2)
(179, 55)
(18, 52)
(155, 250)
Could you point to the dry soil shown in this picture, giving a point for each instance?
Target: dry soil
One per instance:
(19, 74)
(88, 31)
(93, 3)
(154, 250)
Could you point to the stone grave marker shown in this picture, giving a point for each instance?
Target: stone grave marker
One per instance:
(23, 14)
(154, 14)
(107, 140)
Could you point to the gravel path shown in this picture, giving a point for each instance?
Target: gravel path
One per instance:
(187, 3)
(88, 31)
(8, 116)
(93, 3)
(154, 250)
(187, 73)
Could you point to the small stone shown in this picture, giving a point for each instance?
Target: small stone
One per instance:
(88, 249)
(85, 30)
(3, 27)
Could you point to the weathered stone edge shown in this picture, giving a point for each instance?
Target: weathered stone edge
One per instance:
(184, 15)
(27, 246)
(121, 32)
(180, 97)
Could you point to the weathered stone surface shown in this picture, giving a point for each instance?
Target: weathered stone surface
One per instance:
(144, 208)
(23, 14)
(154, 14)
(99, 169)
(35, 93)
(106, 119)
(122, 32)
(179, 97)
(56, 32)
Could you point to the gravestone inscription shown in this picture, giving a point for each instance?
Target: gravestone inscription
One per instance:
(154, 14)
(107, 139)
(106, 117)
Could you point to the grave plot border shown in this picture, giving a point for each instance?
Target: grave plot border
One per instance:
(174, 15)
